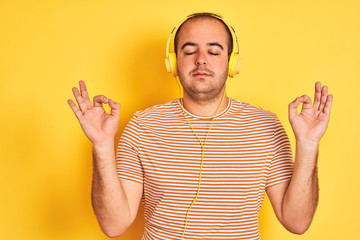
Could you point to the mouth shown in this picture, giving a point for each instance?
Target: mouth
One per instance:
(201, 74)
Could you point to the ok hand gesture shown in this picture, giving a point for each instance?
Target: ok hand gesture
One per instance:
(312, 121)
(98, 126)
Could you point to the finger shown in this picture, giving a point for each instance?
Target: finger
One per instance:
(115, 108)
(328, 104)
(317, 95)
(99, 100)
(75, 109)
(324, 95)
(306, 100)
(79, 99)
(293, 108)
(84, 94)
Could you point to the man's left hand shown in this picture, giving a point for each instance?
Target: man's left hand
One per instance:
(310, 124)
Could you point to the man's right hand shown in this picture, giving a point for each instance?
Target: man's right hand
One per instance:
(99, 126)
(115, 202)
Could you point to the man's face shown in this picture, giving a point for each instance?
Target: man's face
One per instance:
(202, 58)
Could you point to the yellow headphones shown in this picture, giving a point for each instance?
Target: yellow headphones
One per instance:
(234, 60)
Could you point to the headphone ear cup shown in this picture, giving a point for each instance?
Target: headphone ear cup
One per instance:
(168, 64)
(234, 64)
(171, 65)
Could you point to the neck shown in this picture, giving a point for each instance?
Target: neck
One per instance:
(208, 108)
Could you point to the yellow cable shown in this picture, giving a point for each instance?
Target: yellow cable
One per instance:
(202, 154)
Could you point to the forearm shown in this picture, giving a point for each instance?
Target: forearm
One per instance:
(301, 197)
(109, 200)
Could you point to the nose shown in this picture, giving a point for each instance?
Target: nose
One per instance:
(201, 59)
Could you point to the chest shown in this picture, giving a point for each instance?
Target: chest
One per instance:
(236, 156)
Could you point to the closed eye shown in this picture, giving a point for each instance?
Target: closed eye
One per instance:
(211, 53)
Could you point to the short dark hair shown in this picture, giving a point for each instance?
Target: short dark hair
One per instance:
(205, 15)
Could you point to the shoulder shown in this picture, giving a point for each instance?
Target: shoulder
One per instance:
(246, 110)
(252, 117)
(160, 112)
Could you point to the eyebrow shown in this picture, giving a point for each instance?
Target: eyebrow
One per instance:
(216, 44)
(187, 44)
(194, 44)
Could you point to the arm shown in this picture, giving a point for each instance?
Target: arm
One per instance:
(295, 202)
(115, 202)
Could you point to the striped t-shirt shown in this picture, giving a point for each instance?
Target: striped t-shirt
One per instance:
(246, 151)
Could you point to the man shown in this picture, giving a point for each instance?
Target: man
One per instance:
(202, 163)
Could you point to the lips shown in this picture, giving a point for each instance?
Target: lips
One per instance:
(199, 74)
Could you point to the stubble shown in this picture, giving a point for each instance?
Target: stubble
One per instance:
(203, 89)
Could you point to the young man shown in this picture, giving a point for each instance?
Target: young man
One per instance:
(202, 163)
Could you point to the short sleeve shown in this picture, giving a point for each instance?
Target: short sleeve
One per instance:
(128, 163)
(281, 166)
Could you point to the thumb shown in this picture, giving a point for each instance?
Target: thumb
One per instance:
(115, 108)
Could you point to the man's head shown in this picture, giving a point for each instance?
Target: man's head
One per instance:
(202, 53)
(202, 16)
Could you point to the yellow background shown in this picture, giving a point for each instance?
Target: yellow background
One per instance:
(118, 48)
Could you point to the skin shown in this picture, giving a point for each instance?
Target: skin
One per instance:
(203, 76)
